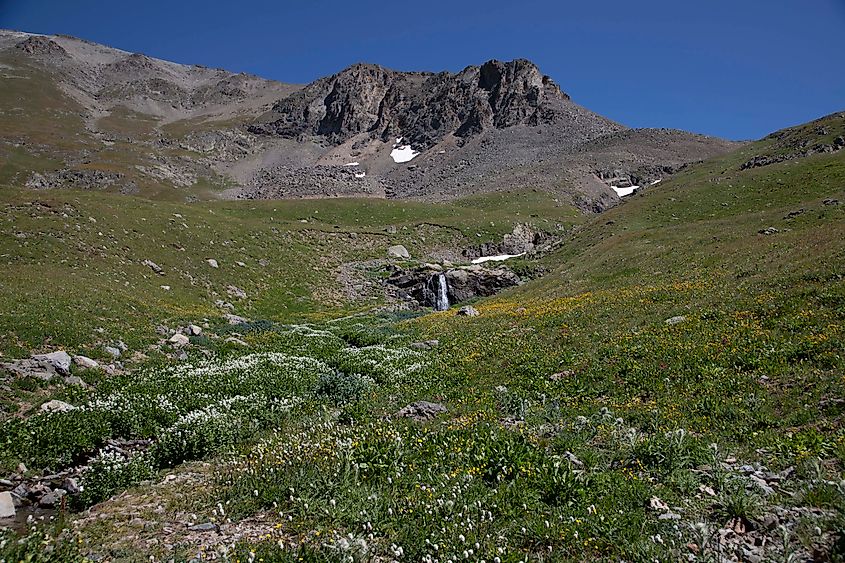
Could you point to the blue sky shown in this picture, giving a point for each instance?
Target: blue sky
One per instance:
(734, 68)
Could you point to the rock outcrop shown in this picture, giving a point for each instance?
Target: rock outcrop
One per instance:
(421, 285)
(421, 108)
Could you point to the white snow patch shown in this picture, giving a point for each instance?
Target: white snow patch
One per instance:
(622, 192)
(360, 174)
(352, 164)
(656, 182)
(403, 153)
(498, 258)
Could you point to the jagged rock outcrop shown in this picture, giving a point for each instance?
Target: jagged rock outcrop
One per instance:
(420, 284)
(421, 108)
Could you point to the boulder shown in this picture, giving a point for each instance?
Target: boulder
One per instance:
(234, 319)
(153, 266)
(51, 499)
(30, 368)
(194, 330)
(675, 320)
(57, 406)
(468, 311)
(235, 291)
(398, 251)
(427, 345)
(213, 263)
(236, 341)
(112, 351)
(178, 340)
(85, 362)
(7, 505)
(420, 410)
(59, 360)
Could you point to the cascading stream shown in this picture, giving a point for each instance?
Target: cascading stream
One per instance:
(441, 296)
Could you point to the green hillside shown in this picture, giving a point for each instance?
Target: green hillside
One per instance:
(673, 388)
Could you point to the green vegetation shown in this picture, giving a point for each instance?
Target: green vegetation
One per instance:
(581, 425)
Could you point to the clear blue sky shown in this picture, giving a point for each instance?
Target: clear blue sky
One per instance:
(733, 68)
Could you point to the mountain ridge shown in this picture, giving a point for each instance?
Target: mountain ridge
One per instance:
(136, 124)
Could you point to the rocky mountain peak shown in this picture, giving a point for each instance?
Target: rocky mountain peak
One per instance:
(422, 108)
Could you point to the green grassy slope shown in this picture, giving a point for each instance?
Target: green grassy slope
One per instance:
(72, 261)
(580, 425)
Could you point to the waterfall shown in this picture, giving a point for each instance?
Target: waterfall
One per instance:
(441, 297)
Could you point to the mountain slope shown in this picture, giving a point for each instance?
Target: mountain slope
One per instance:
(671, 389)
(80, 115)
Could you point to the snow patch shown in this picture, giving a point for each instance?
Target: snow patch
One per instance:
(360, 174)
(656, 182)
(622, 192)
(352, 164)
(403, 153)
(497, 258)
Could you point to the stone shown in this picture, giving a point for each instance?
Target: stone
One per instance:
(398, 251)
(468, 311)
(7, 505)
(153, 266)
(85, 362)
(57, 406)
(75, 380)
(30, 368)
(420, 410)
(573, 459)
(675, 320)
(213, 263)
(178, 340)
(768, 231)
(204, 527)
(427, 345)
(59, 360)
(236, 341)
(194, 330)
(112, 351)
(52, 498)
(71, 485)
(234, 319)
(235, 291)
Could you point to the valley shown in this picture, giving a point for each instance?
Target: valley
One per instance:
(258, 355)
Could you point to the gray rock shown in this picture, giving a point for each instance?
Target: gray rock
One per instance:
(153, 266)
(213, 263)
(112, 351)
(420, 410)
(204, 527)
(75, 380)
(398, 251)
(768, 231)
(178, 340)
(21, 491)
(30, 368)
(236, 341)
(59, 360)
(85, 362)
(7, 505)
(57, 406)
(71, 485)
(236, 292)
(234, 319)
(52, 498)
(675, 320)
(194, 330)
(427, 345)
(468, 311)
